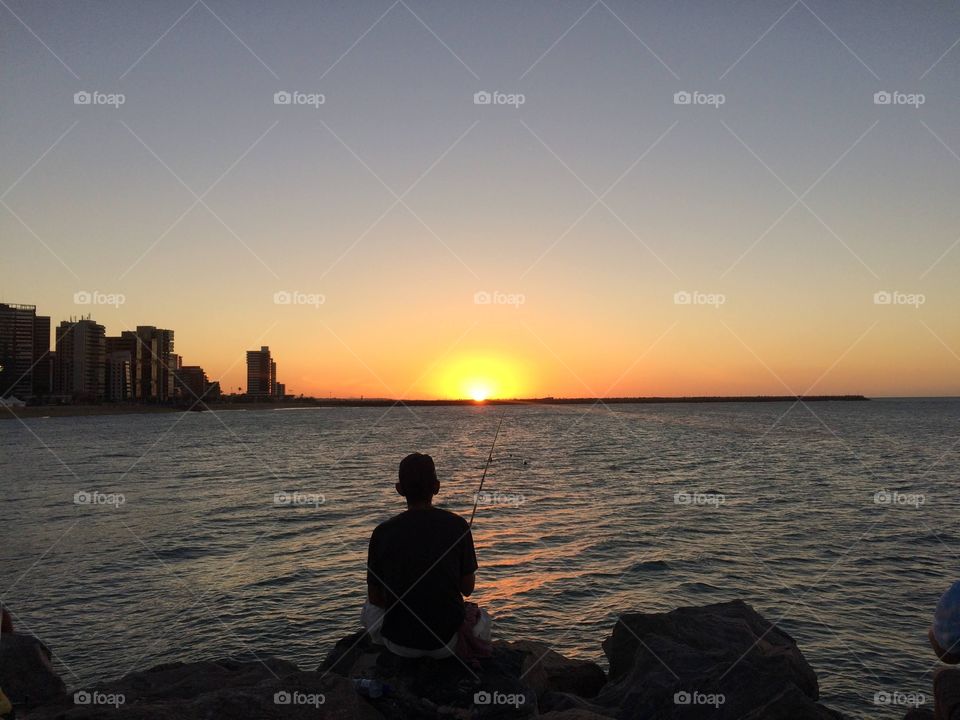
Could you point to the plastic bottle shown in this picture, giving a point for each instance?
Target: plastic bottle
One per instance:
(371, 688)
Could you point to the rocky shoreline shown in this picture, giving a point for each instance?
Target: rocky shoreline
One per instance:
(720, 661)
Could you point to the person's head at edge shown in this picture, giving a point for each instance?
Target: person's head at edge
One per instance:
(417, 480)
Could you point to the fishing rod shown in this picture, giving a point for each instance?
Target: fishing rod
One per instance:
(476, 498)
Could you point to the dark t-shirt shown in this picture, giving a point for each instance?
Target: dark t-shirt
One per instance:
(419, 556)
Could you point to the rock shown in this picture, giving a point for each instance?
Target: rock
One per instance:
(722, 660)
(26, 672)
(425, 688)
(556, 701)
(919, 714)
(239, 690)
(545, 670)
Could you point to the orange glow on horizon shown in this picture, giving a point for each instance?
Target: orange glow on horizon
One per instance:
(481, 378)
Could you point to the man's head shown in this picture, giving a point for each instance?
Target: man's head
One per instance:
(418, 479)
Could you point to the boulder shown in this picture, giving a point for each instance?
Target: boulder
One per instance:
(270, 689)
(722, 661)
(26, 672)
(545, 670)
(718, 661)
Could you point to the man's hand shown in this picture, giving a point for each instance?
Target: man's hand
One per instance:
(467, 584)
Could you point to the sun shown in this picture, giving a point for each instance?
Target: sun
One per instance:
(480, 378)
(479, 391)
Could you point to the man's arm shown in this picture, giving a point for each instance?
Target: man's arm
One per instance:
(376, 594)
(468, 564)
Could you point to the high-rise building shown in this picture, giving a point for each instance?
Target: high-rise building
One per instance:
(261, 372)
(192, 383)
(213, 391)
(152, 373)
(24, 351)
(80, 360)
(118, 376)
(42, 357)
(121, 353)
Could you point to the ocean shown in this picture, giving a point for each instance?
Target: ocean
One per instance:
(132, 540)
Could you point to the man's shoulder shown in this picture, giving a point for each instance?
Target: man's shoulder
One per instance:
(452, 518)
(435, 515)
(387, 524)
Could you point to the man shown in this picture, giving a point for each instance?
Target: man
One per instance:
(420, 565)
(944, 635)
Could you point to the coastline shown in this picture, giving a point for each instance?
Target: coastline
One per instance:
(44, 411)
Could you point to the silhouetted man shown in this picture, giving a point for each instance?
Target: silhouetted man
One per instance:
(420, 565)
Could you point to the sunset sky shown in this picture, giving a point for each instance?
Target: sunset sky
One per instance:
(586, 215)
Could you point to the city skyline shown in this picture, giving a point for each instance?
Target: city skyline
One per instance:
(565, 199)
